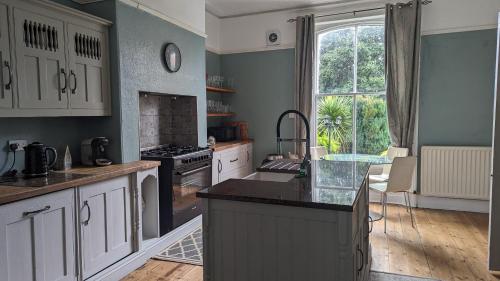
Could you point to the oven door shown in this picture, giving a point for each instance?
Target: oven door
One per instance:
(185, 184)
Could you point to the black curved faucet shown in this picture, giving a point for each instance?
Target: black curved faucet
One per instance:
(306, 163)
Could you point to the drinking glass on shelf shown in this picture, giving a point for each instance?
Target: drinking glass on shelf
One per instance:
(220, 107)
(230, 83)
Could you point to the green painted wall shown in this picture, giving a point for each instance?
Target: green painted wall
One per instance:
(265, 88)
(141, 39)
(457, 88)
(213, 63)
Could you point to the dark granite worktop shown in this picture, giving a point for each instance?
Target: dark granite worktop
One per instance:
(333, 185)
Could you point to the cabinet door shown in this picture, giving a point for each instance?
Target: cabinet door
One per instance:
(6, 67)
(37, 240)
(249, 159)
(216, 168)
(40, 61)
(88, 69)
(105, 221)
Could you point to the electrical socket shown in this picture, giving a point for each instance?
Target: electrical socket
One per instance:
(20, 144)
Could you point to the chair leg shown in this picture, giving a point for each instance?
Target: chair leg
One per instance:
(385, 212)
(406, 201)
(411, 212)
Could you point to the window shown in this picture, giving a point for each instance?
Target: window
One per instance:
(350, 102)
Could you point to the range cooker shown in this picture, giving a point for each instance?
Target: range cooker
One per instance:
(184, 170)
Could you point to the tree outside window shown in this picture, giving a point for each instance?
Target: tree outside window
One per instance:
(351, 115)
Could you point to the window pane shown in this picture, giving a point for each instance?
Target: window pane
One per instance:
(372, 135)
(370, 59)
(334, 123)
(336, 61)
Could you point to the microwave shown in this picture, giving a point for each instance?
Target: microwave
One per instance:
(223, 133)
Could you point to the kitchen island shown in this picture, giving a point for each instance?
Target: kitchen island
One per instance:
(273, 226)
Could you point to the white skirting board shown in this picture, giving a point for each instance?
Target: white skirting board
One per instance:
(428, 202)
(125, 266)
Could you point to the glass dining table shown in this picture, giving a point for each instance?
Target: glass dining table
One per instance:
(372, 159)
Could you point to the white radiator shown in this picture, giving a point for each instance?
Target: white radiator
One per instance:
(455, 172)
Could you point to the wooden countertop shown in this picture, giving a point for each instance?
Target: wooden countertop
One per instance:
(59, 180)
(230, 144)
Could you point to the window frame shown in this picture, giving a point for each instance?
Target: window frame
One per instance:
(329, 27)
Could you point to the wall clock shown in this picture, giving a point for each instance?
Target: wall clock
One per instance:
(172, 57)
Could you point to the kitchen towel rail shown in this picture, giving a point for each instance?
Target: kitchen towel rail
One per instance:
(456, 172)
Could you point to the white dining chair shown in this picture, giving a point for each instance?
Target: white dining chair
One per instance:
(380, 173)
(400, 181)
(317, 152)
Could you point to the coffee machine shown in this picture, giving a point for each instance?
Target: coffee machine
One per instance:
(94, 152)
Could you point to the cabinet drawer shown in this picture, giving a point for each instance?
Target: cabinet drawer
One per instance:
(232, 159)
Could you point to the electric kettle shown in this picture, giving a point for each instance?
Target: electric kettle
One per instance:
(36, 162)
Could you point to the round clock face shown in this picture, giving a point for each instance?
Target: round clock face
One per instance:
(172, 57)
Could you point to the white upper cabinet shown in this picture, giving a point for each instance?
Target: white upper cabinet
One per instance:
(41, 62)
(37, 239)
(60, 61)
(5, 67)
(88, 69)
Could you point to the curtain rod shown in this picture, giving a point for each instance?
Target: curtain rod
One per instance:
(425, 2)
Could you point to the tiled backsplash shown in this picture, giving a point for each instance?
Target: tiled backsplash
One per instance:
(167, 119)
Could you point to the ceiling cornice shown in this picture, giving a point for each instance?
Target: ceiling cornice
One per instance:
(211, 9)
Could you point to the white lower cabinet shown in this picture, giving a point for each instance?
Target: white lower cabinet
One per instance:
(37, 238)
(73, 234)
(105, 224)
(235, 162)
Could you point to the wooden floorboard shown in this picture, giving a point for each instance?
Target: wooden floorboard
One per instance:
(445, 245)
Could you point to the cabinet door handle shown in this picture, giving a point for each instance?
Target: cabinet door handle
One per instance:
(370, 221)
(72, 73)
(32, 213)
(248, 156)
(362, 259)
(63, 73)
(9, 84)
(219, 166)
(86, 203)
(234, 160)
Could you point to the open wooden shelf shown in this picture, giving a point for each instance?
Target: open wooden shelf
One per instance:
(221, 90)
(216, 114)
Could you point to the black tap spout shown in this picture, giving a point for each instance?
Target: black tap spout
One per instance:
(307, 158)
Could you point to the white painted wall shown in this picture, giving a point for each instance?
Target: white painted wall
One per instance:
(443, 16)
(188, 14)
(213, 31)
(247, 33)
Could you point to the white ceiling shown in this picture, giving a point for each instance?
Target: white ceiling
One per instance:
(231, 8)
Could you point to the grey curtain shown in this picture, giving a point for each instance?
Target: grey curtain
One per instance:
(402, 53)
(304, 61)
